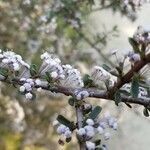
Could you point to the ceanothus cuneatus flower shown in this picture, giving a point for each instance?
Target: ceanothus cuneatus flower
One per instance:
(98, 75)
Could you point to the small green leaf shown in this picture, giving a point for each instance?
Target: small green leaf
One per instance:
(135, 87)
(95, 112)
(107, 68)
(87, 81)
(134, 44)
(71, 101)
(97, 142)
(117, 97)
(145, 112)
(128, 105)
(66, 122)
(48, 77)
(4, 72)
(33, 70)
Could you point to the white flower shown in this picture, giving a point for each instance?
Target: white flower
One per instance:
(107, 136)
(99, 74)
(103, 124)
(90, 145)
(72, 77)
(45, 55)
(100, 130)
(57, 60)
(6, 61)
(90, 122)
(16, 66)
(67, 134)
(81, 95)
(89, 128)
(27, 86)
(23, 79)
(38, 82)
(55, 122)
(1, 56)
(28, 96)
(22, 89)
(39, 89)
(61, 129)
(134, 57)
(89, 131)
(54, 75)
(81, 132)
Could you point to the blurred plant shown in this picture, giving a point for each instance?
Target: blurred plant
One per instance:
(118, 86)
(44, 24)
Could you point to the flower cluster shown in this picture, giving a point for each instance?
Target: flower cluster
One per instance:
(98, 75)
(27, 87)
(52, 65)
(81, 94)
(141, 36)
(93, 128)
(134, 57)
(72, 77)
(133, 4)
(64, 132)
(11, 60)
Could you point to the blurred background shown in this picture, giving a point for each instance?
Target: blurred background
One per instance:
(81, 33)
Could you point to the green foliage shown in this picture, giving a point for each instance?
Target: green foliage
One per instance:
(66, 122)
(4, 72)
(135, 86)
(117, 97)
(71, 101)
(134, 45)
(88, 82)
(146, 112)
(95, 112)
(33, 70)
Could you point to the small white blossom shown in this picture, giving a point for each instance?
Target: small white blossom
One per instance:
(23, 79)
(45, 55)
(89, 131)
(134, 57)
(100, 73)
(22, 89)
(54, 75)
(5, 61)
(28, 96)
(27, 86)
(16, 66)
(67, 134)
(100, 130)
(90, 122)
(81, 95)
(61, 129)
(103, 124)
(90, 145)
(39, 89)
(38, 82)
(81, 132)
